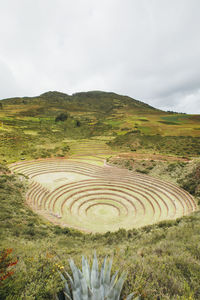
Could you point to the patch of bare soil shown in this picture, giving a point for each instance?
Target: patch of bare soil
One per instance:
(157, 157)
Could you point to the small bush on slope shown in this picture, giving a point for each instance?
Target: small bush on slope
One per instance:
(191, 182)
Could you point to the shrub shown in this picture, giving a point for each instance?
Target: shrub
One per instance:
(6, 264)
(61, 117)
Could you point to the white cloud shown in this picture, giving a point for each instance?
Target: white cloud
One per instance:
(9, 85)
(182, 102)
(147, 49)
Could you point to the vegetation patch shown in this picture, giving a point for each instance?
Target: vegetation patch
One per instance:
(135, 141)
(168, 122)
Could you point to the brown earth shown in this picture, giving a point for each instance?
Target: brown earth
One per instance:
(157, 157)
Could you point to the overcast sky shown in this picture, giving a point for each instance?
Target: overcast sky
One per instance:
(146, 49)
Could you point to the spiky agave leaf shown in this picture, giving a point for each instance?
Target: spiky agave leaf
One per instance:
(115, 289)
(107, 272)
(119, 284)
(70, 279)
(75, 272)
(84, 287)
(95, 279)
(114, 278)
(103, 270)
(86, 270)
(66, 287)
(102, 290)
(111, 292)
(92, 284)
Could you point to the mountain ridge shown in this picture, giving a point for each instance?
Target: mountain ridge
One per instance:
(98, 104)
(90, 97)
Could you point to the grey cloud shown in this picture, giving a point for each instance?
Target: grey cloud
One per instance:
(188, 102)
(147, 49)
(9, 86)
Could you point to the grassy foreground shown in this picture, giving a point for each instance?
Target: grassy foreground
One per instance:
(162, 260)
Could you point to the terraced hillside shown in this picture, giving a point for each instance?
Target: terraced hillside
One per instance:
(90, 147)
(96, 113)
(94, 197)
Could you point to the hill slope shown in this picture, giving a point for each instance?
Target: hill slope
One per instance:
(162, 260)
(30, 126)
(96, 102)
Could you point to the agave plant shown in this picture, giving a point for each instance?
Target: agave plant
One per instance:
(92, 284)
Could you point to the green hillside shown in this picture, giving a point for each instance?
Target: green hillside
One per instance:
(127, 125)
(96, 102)
(69, 163)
